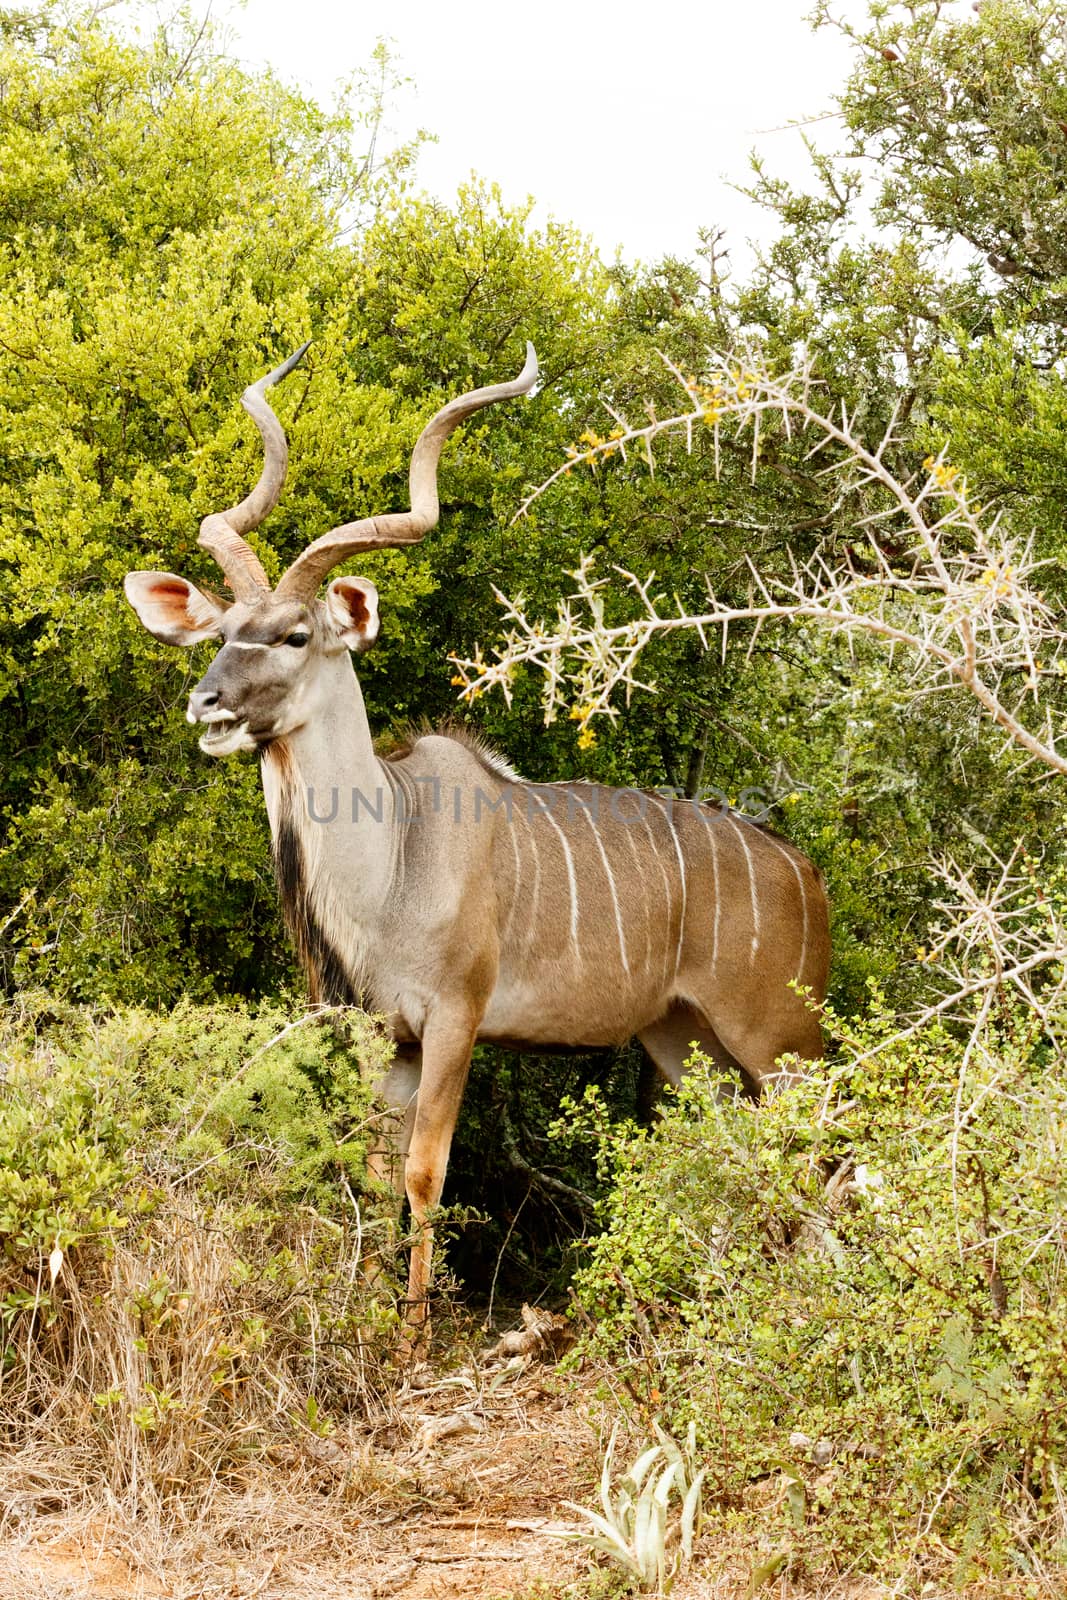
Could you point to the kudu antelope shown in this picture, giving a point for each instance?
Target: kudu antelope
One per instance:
(441, 890)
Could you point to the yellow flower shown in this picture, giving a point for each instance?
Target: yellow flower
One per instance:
(921, 953)
(944, 475)
(457, 682)
(586, 739)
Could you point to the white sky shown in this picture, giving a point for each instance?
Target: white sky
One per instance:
(629, 120)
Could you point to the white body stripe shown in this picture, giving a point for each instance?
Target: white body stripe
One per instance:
(614, 896)
(710, 827)
(406, 809)
(535, 903)
(641, 877)
(681, 871)
(570, 875)
(517, 879)
(752, 890)
(803, 905)
(666, 884)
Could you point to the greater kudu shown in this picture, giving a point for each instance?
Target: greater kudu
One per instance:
(441, 890)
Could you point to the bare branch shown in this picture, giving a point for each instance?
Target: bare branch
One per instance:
(964, 600)
(955, 590)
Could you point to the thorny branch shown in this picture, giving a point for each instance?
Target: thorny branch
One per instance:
(957, 592)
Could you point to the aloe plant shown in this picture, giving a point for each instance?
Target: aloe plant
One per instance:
(655, 1509)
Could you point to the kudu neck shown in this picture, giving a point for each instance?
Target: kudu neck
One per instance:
(333, 747)
(325, 778)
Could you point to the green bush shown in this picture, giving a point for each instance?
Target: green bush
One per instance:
(857, 1292)
(184, 1224)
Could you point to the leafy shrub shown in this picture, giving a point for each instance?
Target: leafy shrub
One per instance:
(857, 1292)
(183, 1212)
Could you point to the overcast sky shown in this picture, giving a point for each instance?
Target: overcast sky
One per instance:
(631, 120)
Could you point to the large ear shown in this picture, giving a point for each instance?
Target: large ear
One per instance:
(171, 608)
(352, 607)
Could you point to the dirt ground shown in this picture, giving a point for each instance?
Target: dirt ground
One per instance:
(455, 1493)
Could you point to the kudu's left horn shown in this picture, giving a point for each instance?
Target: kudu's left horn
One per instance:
(399, 527)
(220, 533)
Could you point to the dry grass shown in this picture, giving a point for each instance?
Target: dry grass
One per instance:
(444, 1489)
(200, 1393)
(156, 1370)
(446, 1485)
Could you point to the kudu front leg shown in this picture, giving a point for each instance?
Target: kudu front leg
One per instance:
(447, 1041)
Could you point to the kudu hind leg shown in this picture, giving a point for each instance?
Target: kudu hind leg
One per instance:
(669, 1042)
(396, 1093)
(791, 1029)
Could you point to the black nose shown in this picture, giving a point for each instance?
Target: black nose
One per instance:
(202, 700)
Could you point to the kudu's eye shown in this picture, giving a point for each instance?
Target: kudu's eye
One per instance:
(298, 640)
